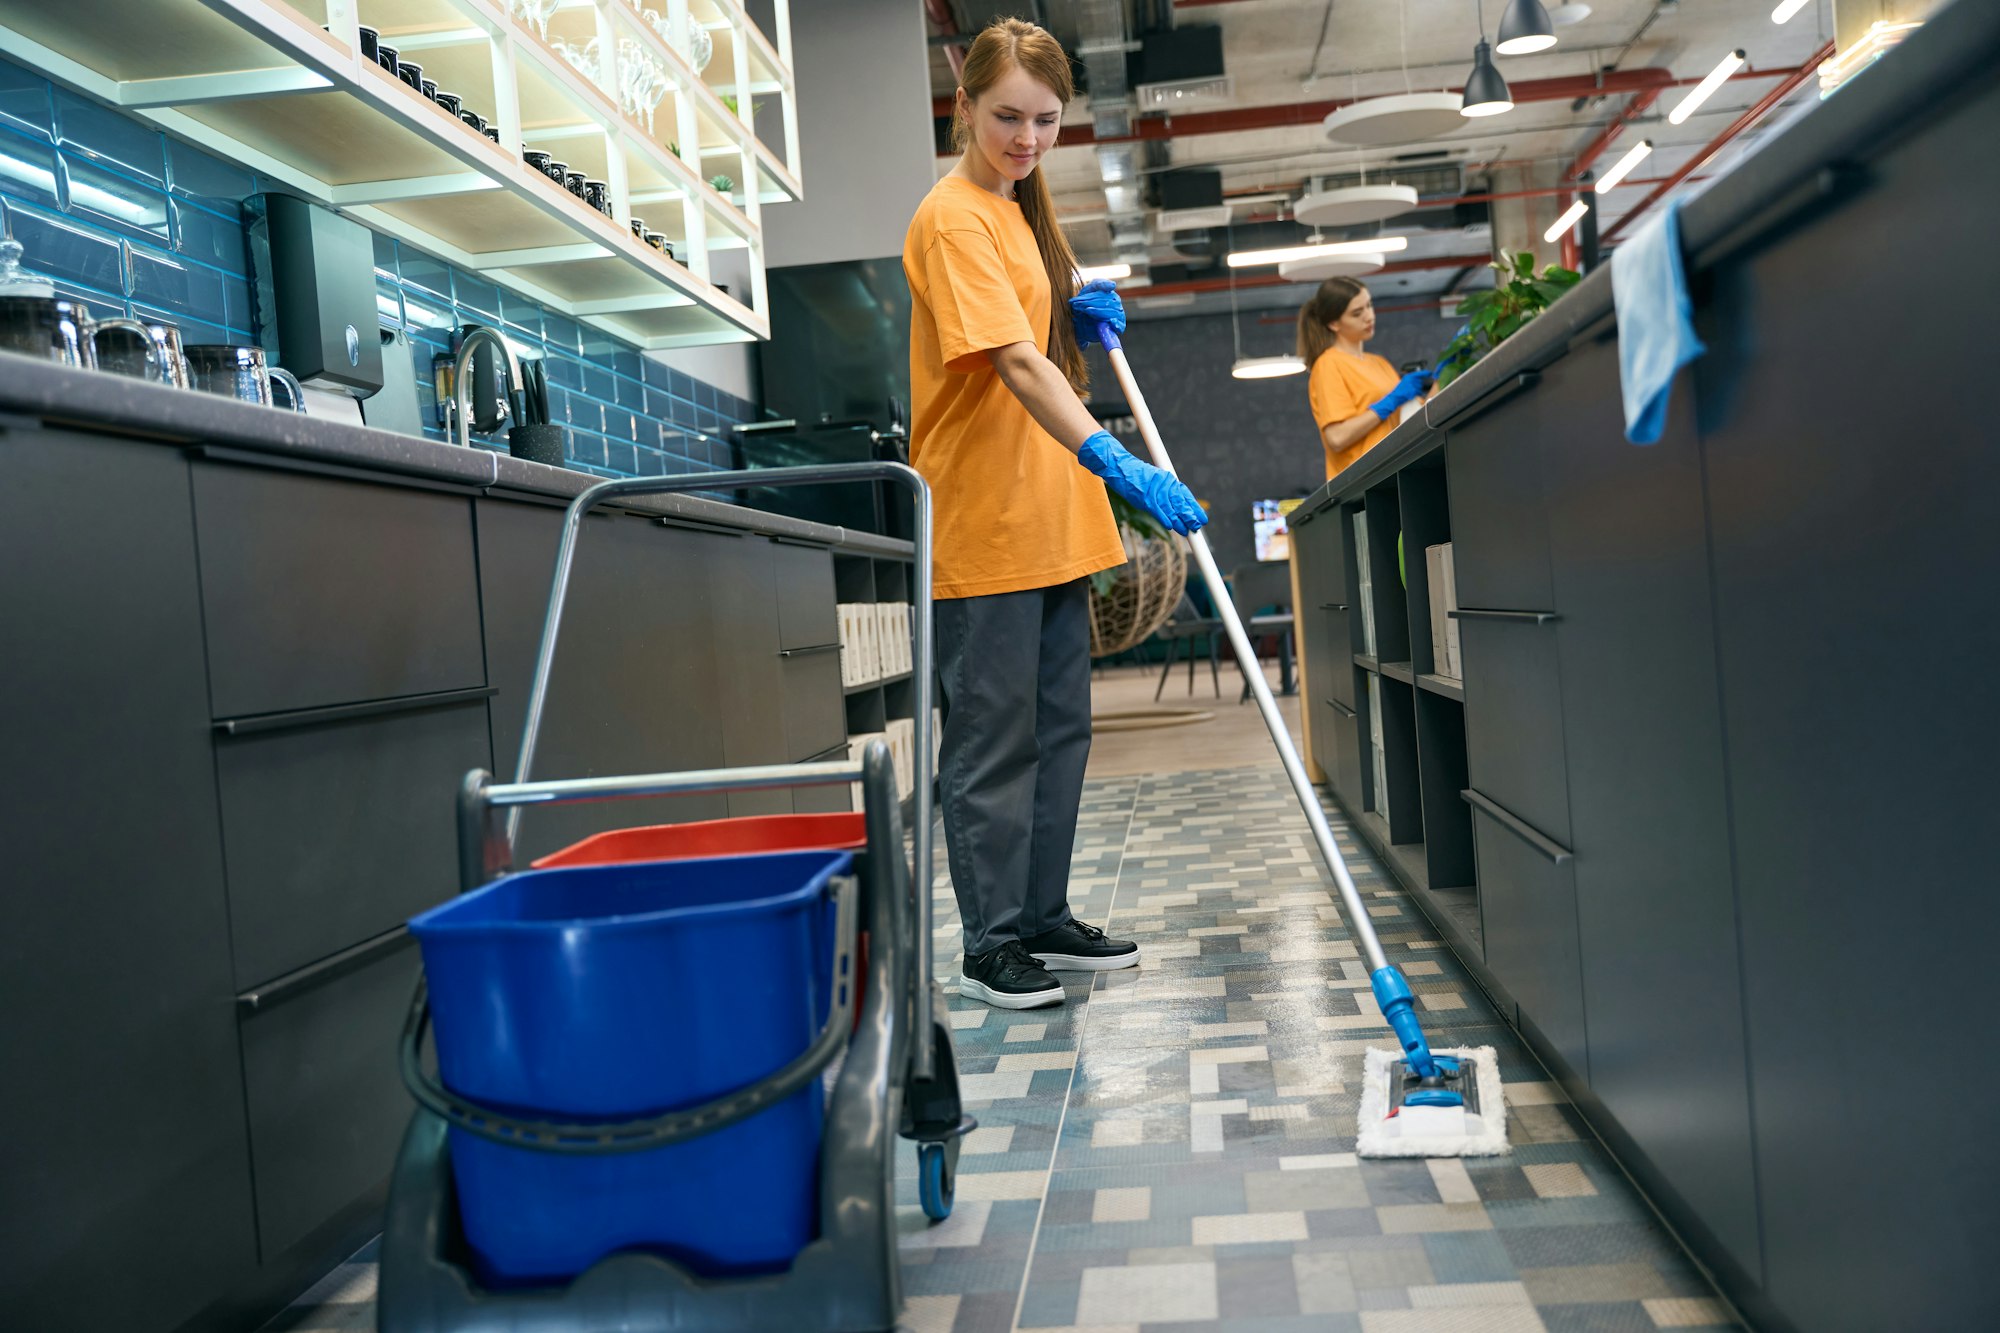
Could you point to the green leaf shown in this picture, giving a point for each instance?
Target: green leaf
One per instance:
(1507, 327)
(1524, 264)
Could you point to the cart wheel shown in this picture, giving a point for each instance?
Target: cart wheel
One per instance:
(935, 1182)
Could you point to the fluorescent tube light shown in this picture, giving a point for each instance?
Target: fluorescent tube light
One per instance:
(1266, 367)
(1378, 245)
(1571, 216)
(1622, 168)
(1110, 272)
(1704, 90)
(1786, 9)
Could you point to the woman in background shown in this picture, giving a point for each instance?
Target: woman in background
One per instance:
(1356, 396)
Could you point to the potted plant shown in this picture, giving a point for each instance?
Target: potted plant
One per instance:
(1492, 317)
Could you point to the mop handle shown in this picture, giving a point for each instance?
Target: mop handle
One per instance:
(1246, 658)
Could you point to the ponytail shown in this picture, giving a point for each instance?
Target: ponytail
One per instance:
(1013, 43)
(1322, 308)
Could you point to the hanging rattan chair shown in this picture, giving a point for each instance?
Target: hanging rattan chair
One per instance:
(1135, 599)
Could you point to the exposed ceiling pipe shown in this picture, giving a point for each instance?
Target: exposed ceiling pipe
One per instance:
(954, 52)
(1736, 127)
(1102, 39)
(1198, 285)
(1237, 119)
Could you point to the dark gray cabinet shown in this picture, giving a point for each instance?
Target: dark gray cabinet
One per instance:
(319, 590)
(634, 682)
(1642, 732)
(1527, 905)
(1499, 524)
(123, 1145)
(748, 671)
(338, 830)
(1850, 486)
(327, 1106)
(1514, 720)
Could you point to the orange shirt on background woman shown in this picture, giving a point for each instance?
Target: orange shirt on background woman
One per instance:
(1356, 396)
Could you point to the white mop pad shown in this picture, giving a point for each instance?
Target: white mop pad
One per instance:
(1433, 1131)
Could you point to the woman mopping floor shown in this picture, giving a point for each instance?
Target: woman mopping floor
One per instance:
(999, 432)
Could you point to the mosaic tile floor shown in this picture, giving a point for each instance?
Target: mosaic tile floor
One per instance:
(1172, 1149)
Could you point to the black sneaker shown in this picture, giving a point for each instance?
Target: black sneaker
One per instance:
(1076, 947)
(1006, 978)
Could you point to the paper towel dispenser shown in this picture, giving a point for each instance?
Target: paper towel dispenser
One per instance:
(313, 275)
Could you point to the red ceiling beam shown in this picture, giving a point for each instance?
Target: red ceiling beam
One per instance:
(1595, 148)
(1736, 127)
(1274, 280)
(954, 52)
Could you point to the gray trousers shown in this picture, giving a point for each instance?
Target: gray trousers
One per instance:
(1016, 674)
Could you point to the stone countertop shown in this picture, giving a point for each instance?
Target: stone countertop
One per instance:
(106, 404)
(1810, 166)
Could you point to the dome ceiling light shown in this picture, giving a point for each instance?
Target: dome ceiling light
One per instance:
(1354, 204)
(1321, 267)
(1400, 118)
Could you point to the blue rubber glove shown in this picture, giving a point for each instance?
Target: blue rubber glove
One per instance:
(1407, 388)
(1096, 303)
(1152, 489)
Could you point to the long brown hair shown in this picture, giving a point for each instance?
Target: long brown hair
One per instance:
(1324, 306)
(1010, 44)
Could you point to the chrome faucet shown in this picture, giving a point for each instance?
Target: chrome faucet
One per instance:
(461, 378)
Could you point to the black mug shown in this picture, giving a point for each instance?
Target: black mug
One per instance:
(557, 171)
(410, 74)
(537, 161)
(573, 182)
(429, 88)
(371, 42)
(598, 195)
(449, 101)
(474, 119)
(385, 56)
(639, 230)
(492, 132)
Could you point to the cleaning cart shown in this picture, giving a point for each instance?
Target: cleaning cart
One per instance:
(764, 1200)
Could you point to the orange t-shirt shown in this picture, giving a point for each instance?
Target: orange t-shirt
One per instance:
(1012, 508)
(1340, 388)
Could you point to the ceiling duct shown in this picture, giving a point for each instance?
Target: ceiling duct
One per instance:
(1180, 69)
(1103, 45)
(1191, 199)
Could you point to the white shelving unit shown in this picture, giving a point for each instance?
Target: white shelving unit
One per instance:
(282, 90)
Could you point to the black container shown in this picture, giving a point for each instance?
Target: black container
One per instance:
(537, 161)
(385, 56)
(598, 195)
(371, 42)
(573, 182)
(556, 171)
(449, 101)
(410, 74)
(639, 231)
(542, 443)
(474, 119)
(428, 88)
(493, 133)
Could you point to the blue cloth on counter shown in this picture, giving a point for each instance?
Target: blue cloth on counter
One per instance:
(1655, 322)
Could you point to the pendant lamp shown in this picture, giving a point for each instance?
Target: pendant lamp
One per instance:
(1485, 91)
(1524, 28)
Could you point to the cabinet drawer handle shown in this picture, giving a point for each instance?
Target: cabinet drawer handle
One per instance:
(1344, 710)
(1518, 827)
(314, 975)
(809, 652)
(1333, 606)
(313, 717)
(1527, 617)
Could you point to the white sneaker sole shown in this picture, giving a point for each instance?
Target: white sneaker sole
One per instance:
(979, 990)
(1063, 962)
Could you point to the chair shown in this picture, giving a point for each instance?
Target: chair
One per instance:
(1254, 587)
(1184, 626)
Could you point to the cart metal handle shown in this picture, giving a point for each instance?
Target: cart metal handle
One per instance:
(591, 1138)
(921, 654)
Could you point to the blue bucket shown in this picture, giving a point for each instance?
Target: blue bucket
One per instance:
(621, 991)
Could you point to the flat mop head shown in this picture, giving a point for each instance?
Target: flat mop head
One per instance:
(1392, 1125)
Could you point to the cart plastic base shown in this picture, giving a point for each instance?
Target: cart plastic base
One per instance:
(840, 1284)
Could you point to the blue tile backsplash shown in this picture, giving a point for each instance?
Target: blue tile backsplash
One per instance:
(131, 221)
